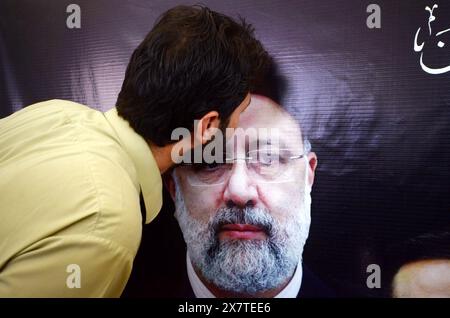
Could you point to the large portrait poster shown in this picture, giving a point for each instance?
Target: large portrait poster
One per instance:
(367, 81)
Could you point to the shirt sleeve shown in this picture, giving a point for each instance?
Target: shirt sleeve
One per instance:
(68, 266)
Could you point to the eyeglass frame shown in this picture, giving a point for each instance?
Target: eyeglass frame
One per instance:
(306, 147)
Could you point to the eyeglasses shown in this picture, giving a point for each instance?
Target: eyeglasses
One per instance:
(264, 165)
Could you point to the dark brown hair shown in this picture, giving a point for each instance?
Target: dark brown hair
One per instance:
(193, 61)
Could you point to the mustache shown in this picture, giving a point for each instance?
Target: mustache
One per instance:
(250, 216)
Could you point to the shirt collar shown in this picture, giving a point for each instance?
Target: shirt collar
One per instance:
(147, 170)
(201, 291)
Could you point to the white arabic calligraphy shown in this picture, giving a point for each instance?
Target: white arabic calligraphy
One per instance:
(440, 44)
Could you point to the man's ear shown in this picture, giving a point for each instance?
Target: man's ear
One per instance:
(206, 127)
(169, 183)
(312, 165)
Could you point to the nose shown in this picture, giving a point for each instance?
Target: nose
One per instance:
(241, 190)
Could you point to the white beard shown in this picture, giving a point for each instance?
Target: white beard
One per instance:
(246, 266)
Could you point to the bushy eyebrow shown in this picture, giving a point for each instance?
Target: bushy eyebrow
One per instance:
(255, 144)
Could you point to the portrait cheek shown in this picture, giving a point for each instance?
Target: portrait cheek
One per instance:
(282, 199)
(201, 202)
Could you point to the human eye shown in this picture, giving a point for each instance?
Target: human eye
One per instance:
(268, 157)
(284, 156)
(208, 167)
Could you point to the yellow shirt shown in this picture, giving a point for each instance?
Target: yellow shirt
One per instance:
(70, 220)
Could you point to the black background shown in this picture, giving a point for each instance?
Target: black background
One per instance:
(379, 124)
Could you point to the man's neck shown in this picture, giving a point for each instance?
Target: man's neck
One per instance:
(162, 155)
